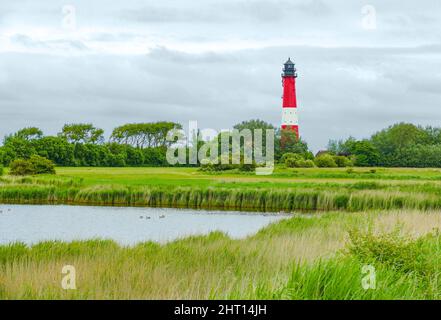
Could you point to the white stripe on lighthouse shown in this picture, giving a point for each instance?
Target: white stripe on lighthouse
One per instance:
(289, 117)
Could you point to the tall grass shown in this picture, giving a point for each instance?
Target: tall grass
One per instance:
(250, 199)
(297, 258)
(190, 189)
(404, 268)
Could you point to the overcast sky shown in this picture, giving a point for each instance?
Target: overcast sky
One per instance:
(362, 65)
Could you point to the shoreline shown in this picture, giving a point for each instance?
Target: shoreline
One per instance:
(197, 210)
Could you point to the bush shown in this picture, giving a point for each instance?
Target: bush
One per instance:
(42, 165)
(21, 167)
(208, 165)
(325, 161)
(288, 155)
(247, 167)
(290, 162)
(290, 159)
(343, 161)
(301, 163)
(34, 165)
(394, 250)
(1, 170)
(305, 164)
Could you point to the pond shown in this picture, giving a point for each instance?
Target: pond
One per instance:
(126, 225)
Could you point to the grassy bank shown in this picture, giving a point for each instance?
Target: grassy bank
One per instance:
(314, 257)
(299, 258)
(287, 190)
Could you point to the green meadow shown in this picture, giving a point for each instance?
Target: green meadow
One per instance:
(342, 221)
(315, 189)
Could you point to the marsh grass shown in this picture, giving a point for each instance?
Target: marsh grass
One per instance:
(187, 188)
(315, 257)
(247, 199)
(405, 268)
(296, 258)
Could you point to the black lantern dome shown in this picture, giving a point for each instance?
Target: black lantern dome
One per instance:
(289, 69)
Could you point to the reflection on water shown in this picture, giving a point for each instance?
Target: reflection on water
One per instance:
(125, 225)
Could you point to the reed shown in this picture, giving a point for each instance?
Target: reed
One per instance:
(247, 199)
(296, 258)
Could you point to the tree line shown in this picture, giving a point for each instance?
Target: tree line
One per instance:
(138, 144)
(399, 145)
(133, 144)
(145, 144)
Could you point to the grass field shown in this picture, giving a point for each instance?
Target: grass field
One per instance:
(285, 190)
(385, 218)
(297, 258)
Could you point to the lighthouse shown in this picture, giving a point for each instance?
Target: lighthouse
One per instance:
(289, 115)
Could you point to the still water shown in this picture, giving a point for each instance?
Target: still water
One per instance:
(34, 223)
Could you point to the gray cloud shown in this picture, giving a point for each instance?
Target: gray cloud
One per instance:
(219, 62)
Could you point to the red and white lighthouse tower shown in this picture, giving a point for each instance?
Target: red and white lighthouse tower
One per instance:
(289, 115)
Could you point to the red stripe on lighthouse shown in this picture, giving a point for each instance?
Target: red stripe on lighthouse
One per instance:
(289, 92)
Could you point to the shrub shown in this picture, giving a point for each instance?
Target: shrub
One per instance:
(394, 250)
(21, 167)
(304, 155)
(286, 156)
(290, 159)
(295, 160)
(342, 161)
(209, 166)
(290, 162)
(325, 161)
(42, 165)
(305, 164)
(247, 167)
(1, 170)
(34, 165)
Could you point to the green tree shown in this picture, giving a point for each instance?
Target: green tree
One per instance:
(240, 128)
(155, 157)
(253, 124)
(30, 133)
(366, 154)
(82, 133)
(19, 147)
(57, 149)
(287, 142)
(390, 141)
(341, 147)
(7, 154)
(144, 135)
